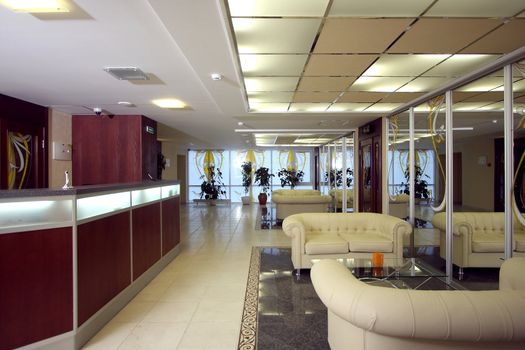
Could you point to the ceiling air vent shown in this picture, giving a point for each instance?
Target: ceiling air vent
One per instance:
(127, 73)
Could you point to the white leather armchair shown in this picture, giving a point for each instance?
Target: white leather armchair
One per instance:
(362, 316)
(478, 238)
(344, 235)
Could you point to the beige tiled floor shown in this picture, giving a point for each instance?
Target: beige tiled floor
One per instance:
(196, 301)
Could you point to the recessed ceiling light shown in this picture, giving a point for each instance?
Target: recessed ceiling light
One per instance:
(126, 103)
(240, 123)
(169, 103)
(216, 76)
(36, 6)
(494, 121)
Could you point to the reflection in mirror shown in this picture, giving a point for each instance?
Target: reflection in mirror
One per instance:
(518, 88)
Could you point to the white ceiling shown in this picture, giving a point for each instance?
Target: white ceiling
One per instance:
(179, 43)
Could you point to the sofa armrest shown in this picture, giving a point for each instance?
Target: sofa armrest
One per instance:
(394, 227)
(511, 274)
(472, 316)
(294, 228)
(283, 199)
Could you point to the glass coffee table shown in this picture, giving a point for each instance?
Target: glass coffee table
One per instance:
(404, 273)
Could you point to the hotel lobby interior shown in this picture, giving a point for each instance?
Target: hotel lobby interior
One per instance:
(134, 140)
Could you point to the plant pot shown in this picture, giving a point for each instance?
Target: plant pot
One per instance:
(245, 200)
(263, 198)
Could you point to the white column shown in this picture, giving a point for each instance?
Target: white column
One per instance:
(449, 154)
(411, 180)
(509, 157)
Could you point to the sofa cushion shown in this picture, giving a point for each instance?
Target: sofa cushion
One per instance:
(368, 242)
(487, 243)
(325, 244)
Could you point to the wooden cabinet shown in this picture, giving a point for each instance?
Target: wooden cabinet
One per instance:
(113, 150)
(370, 155)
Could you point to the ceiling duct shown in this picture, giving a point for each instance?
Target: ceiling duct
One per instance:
(127, 73)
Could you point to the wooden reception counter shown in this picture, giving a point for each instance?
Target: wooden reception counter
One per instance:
(71, 259)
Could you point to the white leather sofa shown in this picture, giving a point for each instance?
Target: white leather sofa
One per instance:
(289, 202)
(362, 316)
(478, 238)
(344, 235)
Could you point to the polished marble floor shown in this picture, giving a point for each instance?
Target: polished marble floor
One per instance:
(196, 301)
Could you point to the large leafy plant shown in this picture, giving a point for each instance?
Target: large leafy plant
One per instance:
(290, 177)
(420, 185)
(212, 186)
(263, 178)
(246, 170)
(336, 177)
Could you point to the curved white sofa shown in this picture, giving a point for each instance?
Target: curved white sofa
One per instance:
(478, 238)
(344, 235)
(398, 205)
(289, 202)
(362, 316)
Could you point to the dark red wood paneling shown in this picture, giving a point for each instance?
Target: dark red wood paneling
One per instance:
(36, 286)
(146, 238)
(27, 118)
(170, 224)
(104, 262)
(106, 150)
(149, 149)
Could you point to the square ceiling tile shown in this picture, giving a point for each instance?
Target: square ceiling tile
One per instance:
(378, 8)
(358, 35)
(424, 84)
(308, 107)
(383, 107)
(278, 8)
(307, 97)
(275, 35)
(505, 39)
(271, 83)
(476, 8)
(262, 96)
(269, 107)
(357, 96)
(348, 107)
(325, 83)
(459, 65)
(272, 65)
(338, 65)
(403, 65)
(401, 97)
(379, 84)
(442, 35)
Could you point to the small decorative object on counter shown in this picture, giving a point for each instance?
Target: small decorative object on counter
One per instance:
(66, 185)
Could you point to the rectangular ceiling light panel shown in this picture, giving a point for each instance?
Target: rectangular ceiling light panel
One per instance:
(379, 84)
(37, 6)
(269, 107)
(338, 65)
(459, 65)
(308, 107)
(424, 84)
(378, 8)
(348, 107)
(325, 83)
(403, 65)
(263, 96)
(277, 8)
(272, 65)
(477, 8)
(271, 83)
(275, 35)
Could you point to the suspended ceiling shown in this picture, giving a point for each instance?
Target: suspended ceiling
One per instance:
(296, 64)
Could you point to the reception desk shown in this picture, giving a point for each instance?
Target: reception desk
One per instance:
(71, 259)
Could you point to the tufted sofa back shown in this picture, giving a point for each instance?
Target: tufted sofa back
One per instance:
(477, 223)
(285, 192)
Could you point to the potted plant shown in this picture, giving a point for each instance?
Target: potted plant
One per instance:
(290, 177)
(246, 170)
(263, 178)
(212, 185)
(336, 177)
(420, 185)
